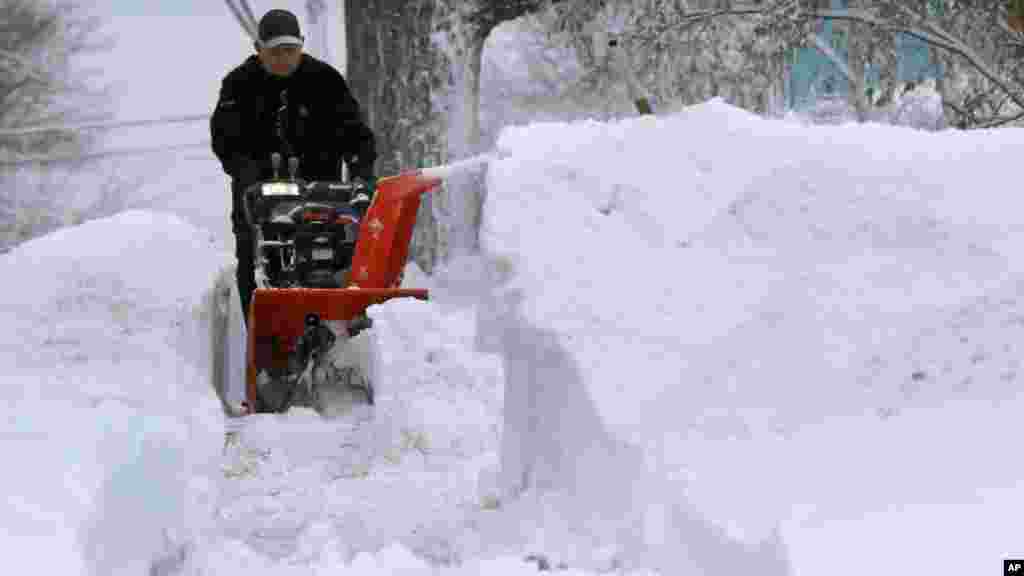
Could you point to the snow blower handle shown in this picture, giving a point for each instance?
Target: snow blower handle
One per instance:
(275, 163)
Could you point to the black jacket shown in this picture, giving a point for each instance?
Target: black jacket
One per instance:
(324, 123)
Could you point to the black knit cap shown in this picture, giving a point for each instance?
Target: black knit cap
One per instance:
(279, 27)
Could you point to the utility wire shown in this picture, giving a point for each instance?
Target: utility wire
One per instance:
(245, 17)
(242, 20)
(250, 16)
(102, 125)
(44, 159)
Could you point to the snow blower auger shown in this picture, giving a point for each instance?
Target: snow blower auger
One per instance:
(319, 266)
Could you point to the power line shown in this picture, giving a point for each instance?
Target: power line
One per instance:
(44, 159)
(102, 125)
(249, 15)
(243, 20)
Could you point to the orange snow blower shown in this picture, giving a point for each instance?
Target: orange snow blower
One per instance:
(320, 263)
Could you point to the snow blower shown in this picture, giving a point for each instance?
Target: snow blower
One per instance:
(320, 263)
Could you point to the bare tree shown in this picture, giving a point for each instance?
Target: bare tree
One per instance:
(723, 57)
(982, 83)
(415, 67)
(41, 44)
(43, 83)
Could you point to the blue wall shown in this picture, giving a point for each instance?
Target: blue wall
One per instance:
(810, 73)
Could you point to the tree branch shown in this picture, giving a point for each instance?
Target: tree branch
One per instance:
(14, 88)
(927, 32)
(996, 122)
(26, 67)
(935, 37)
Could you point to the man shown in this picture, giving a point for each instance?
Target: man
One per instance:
(322, 125)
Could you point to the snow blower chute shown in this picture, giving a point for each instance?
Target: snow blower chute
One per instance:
(319, 265)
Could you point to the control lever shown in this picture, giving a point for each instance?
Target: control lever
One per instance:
(275, 161)
(293, 167)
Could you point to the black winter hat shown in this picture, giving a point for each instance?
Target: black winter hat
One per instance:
(279, 27)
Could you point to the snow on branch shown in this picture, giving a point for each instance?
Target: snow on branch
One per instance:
(929, 33)
(785, 17)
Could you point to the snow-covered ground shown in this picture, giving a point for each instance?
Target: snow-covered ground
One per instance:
(705, 343)
(112, 424)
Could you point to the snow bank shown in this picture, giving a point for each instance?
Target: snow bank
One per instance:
(724, 345)
(713, 279)
(113, 424)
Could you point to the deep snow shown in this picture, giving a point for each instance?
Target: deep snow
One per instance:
(807, 328)
(113, 426)
(699, 343)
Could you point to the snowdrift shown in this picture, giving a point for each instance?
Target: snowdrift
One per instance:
(784, 329)
(113, 425)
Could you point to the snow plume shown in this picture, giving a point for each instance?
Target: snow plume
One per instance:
(114, 421)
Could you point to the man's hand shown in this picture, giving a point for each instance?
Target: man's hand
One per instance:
(363, 195)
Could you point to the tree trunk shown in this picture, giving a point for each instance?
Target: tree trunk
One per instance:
(415, 66)
(856, 37)
(399, 76)
(468, 23)
(464, 195)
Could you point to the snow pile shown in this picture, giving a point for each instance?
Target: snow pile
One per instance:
(113, 426)
(716, 283)
(918, 108)
(704, 343)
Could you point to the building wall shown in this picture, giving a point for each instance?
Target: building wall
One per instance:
(811, 73)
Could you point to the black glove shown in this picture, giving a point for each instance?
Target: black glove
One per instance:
(360, 167)
(363, 194)
(247, 173)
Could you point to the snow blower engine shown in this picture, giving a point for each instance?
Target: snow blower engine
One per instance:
(323, 254)
(306, 231)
